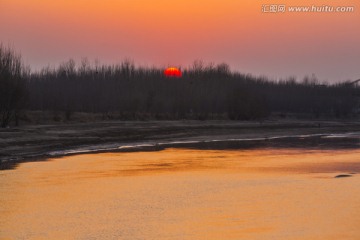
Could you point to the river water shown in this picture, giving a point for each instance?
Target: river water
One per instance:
(185, 194)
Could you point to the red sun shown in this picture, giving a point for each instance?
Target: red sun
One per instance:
(172, 72)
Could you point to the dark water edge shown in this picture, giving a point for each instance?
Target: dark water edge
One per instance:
(338, 141)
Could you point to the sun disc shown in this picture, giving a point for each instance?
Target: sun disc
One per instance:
(172, 72)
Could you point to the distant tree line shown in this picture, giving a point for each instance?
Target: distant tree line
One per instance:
(130, 92)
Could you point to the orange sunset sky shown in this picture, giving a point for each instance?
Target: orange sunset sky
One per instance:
(177, 32)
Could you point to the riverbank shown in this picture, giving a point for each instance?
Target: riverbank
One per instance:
(35, 142)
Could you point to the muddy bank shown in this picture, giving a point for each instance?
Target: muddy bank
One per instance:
(36, 142)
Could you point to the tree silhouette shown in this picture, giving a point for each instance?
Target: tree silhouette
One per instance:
(128, 92)
(12, 85)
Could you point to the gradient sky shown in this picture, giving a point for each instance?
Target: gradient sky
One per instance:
(177, 32)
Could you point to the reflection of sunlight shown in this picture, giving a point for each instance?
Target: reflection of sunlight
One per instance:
(184, 194)
(170, 160)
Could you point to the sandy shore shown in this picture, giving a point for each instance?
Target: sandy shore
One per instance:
(38, 141)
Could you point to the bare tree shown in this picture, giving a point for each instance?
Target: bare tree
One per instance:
(12, 85)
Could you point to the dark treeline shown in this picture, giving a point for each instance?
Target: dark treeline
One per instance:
(203, 92)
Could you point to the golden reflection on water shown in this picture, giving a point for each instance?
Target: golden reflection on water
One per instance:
(184, 194)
